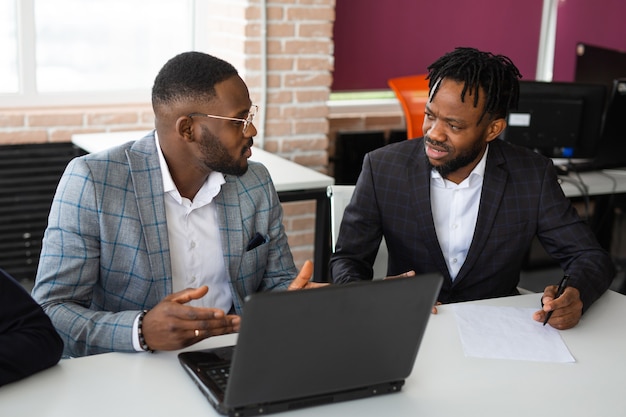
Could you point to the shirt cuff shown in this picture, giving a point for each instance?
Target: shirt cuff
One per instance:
(136, 344)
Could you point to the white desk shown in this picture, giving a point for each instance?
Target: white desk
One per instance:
(443, 383)
(286, 175)
(293, 182)
(602, 187)
(593, 183)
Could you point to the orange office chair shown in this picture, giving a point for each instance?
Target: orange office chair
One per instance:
(412, 92)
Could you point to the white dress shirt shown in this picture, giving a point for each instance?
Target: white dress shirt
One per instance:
(455, 210)
(195, 243)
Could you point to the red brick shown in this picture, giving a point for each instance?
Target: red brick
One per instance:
(23, 136)
(298, 208)
(55, 119)
(112, 118)
(11, 120)
(308, 79)
(318, 111)
(303, 224)
(300, 46)
(308, 96)
(278, 128)
(310, 13)
(305, 126)
(316, 30)
(305, 144)
(297, 238)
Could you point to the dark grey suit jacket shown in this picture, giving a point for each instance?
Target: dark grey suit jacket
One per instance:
(521, 199)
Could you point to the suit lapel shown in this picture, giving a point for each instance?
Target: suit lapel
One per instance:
(147, 181)
(230, 224)
(418, 174)
(494, 183)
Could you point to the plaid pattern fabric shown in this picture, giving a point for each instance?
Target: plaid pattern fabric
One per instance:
(106, 257)
(521, 199)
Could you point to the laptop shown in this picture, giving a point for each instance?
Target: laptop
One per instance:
(304, 348)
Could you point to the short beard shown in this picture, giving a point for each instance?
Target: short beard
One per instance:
(457, 163)
(217, 158)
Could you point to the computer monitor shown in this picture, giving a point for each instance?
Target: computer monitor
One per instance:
(599, 65)
(557, 119)
(612, 151)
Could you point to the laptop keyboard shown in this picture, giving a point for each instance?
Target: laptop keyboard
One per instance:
(219, 375)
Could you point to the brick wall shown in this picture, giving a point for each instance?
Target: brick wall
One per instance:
(23, 126)
(292, 42)
(298, 55)
(36, 125)
(299, 51)
(298, 125)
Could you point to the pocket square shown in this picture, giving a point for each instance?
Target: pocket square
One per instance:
(256, 241)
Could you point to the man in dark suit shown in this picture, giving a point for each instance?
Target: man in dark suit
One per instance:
(460, 202)
(28, 341)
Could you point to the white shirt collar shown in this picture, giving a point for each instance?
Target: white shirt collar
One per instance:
(209, 190)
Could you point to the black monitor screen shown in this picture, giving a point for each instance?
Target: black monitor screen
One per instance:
(599, 65)
(558, 120)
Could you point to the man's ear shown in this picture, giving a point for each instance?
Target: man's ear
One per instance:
(184, 128)
(496, 127)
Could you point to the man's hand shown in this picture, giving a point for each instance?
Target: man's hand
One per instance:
(172, 325)
(410, 273)
(303, 280)
(434, 310)
(568, 308)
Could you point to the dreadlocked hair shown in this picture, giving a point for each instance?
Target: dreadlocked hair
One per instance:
(495, 74)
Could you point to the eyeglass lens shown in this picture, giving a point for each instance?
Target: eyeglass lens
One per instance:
(250, 117)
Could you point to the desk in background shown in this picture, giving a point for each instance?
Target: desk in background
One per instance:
(293, 182)
(593, 183)
(444, 382)
(607, 188)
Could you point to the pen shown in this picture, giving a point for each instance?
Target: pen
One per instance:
(559, 292)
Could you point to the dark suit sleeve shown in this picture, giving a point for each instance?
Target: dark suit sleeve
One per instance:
(571, 241)
(28, 341)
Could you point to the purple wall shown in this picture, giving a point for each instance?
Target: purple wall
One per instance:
(598, 22)
(376, 40)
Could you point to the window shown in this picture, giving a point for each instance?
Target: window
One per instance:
(8, 46)
(66, 52)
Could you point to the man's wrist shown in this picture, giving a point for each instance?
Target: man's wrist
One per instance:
(140, 335)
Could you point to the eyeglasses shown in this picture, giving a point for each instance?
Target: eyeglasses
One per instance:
(245, 122)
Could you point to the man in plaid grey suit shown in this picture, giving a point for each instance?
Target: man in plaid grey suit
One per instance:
(154, 244)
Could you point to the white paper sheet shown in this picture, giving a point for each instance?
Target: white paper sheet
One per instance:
(508, 333)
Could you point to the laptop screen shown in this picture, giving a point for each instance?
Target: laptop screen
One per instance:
(338, 339)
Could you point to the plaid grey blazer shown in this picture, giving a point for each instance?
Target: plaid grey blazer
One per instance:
(106, 254)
